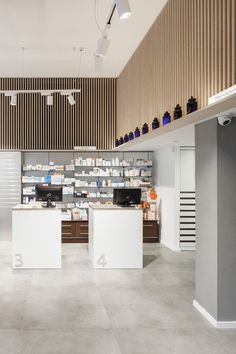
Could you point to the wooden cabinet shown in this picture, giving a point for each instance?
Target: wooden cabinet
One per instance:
(82, 231)
(68, 231)
(74, 231)
(150, 231)
(77, 231)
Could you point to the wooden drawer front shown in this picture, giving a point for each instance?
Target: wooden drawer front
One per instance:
(77, 231)
(68, 229)
(74, 231)
(82, 230)
(150, 231)
(83, 227)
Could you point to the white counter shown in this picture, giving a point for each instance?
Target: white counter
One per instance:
(115, 237)
(36, 237)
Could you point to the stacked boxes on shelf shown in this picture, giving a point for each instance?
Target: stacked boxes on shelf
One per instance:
(151, 205)
(90, 177)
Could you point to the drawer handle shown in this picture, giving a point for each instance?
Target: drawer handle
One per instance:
(72, 237)
(84, 233)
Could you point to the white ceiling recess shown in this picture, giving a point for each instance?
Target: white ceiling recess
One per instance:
(50, 29)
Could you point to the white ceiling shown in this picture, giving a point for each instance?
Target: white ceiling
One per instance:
(49, 29)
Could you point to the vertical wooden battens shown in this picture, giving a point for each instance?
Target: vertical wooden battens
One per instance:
(33, 125)
(189, 50)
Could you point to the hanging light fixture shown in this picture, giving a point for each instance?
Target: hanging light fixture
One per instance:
(98, 61)
(71, 99)
(49, 100)
(47, 93)
(123, 9)
(13, 100)
(103, 45)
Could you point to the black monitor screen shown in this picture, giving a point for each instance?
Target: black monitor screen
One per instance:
(45, 192)
(126, 196)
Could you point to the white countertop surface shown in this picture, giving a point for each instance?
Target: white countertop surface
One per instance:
(113, 207)
(32, 207)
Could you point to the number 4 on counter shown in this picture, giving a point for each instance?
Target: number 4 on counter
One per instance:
(102, 261)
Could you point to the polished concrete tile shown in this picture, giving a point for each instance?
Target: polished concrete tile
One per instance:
(80, 310)
(176, 341)
(11, 341)
(70, 342)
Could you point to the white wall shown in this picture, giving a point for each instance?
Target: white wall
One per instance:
(174, 172)
(10, 189)
(166, 178)
(187, 169)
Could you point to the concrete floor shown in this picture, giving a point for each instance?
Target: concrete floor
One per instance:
(78, 310)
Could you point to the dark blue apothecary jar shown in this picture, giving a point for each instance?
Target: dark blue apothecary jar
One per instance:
(166, 118)
(145, 128)
(137, 133)
(131, 136)
(178, 112)
(126, 138)
(155, 123)
(117, 143)
(121, 141)
(191, 105)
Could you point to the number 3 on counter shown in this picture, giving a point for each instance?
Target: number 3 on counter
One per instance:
(102, 261)
(18, 260)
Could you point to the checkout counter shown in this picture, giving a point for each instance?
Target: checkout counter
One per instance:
(36, 237)
(115, 236)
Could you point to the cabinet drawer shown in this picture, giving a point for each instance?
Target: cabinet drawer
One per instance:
(82, 229)
(67, 226)
(150, 231)
(67, 229)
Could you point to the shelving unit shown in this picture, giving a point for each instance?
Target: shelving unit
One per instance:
(77, 231)
(69, 165)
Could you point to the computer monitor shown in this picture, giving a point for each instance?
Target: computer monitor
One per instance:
(48, 193)
(126, 196)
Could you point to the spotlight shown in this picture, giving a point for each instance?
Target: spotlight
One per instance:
(49, 100)
(71, 100)
(123, 9)
(103, 45)
(13, 100)
(98, 61)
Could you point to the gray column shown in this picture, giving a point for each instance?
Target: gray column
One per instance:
(216, 219)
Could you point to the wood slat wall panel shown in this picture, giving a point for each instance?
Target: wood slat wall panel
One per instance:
(34, 125)
(189, 50)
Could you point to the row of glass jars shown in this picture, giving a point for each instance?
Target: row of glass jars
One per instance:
(166, 119)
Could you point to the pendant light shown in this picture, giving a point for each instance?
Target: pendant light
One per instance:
(103, 45)
(98, 61)
(49, 100)
(123, 9)
(13, 100)
(71, 99)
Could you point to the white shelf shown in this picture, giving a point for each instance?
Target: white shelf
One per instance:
(72, 173)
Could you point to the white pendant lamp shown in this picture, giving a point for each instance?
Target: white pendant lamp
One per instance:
(103, 45)
(13, 100)
(49, 100)
(71, 99)
(123, 9)
(98, 61)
